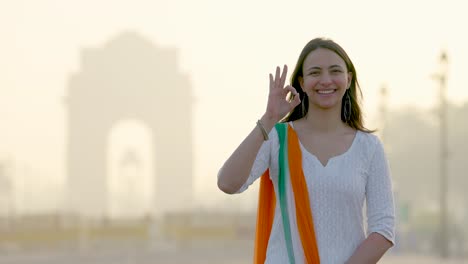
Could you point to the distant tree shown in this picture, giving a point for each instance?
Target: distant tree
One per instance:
(412, 149)
(413, 146)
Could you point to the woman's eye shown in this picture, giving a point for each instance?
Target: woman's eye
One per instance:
(336, 71)
(314, 73)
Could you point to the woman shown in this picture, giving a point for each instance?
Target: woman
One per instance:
(335, 169)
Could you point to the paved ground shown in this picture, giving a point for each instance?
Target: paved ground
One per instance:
(206, 253)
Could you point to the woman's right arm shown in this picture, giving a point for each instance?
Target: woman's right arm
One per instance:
(236, 169)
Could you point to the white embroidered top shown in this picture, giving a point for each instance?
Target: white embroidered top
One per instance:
(337, 193)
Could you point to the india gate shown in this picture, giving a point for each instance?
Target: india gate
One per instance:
(128, 80)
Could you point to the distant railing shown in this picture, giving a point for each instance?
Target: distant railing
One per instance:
(52, 230)
(68, 230)
(208, 225)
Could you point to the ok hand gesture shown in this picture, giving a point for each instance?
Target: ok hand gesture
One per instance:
(278, 105)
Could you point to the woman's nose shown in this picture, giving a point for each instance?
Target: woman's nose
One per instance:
(325, 79)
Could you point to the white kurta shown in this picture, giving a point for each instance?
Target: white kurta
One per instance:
(337, 193)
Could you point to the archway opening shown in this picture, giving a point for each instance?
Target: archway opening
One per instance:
(131, 171)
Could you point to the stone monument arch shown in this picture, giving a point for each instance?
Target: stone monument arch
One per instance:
(128, 78)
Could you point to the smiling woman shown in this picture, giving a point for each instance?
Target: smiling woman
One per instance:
(325, 79)
(317, 167)
(325, 71)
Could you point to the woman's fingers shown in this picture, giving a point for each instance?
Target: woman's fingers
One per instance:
(283, 76)
(280, 78)
(294, 95)
(271, 82)
(277, 77)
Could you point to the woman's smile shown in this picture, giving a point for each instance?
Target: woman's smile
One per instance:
(326, 91)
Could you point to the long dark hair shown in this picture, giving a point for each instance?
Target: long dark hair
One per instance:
(356, 119)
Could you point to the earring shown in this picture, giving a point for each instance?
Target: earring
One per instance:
(303, 105)
(347, 107)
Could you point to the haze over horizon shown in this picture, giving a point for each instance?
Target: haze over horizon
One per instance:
(227, 49)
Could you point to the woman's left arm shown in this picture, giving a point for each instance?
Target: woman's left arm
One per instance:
(371, 250)
(380, 210)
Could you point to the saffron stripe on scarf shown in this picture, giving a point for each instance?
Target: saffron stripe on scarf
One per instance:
(265, 216)
(305, 222)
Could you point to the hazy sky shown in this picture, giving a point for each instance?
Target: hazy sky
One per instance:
(227, 48)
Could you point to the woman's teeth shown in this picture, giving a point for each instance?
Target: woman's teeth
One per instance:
(325, 91)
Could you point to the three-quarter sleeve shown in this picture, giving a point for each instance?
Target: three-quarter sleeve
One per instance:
(262, 160)
(379, 196)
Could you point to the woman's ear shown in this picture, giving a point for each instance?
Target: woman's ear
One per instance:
(301, 81)
(350, 78)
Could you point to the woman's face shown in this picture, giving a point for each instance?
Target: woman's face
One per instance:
(325, 78)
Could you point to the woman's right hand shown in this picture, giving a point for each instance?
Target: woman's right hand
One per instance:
(237, 168)
(278, 105)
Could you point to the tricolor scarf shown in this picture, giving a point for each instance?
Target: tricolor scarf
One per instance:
(290, 159)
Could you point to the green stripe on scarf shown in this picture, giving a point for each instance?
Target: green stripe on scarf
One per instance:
(283, 168)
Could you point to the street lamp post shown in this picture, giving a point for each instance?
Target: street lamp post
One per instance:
(441, 76)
